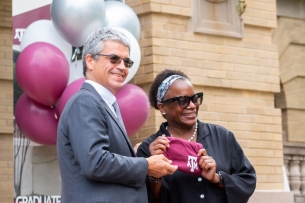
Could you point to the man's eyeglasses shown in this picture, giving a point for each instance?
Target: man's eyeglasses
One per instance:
(115, 59)
(184, 101)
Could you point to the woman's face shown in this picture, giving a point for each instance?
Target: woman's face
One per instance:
(175, 115)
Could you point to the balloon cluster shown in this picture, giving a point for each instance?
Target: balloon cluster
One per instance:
(48, 77)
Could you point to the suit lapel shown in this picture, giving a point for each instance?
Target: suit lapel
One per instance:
(89, 87)
(115, 118)
(120, 126)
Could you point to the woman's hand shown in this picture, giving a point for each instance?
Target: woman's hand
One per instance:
(159, 145)
(208, 166)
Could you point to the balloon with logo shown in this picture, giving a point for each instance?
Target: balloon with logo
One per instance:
(121, 15)
(134, 107)
(42, 72)
(37, 122)
(76, 19)
(135, 53)
(44, 31)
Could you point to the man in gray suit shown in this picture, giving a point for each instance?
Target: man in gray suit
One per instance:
(97, 162)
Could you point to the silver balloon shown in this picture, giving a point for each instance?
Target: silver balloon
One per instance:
(76, 19)
(121, 15)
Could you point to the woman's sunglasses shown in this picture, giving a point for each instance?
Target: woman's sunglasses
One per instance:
(184, 101)
(115, 59)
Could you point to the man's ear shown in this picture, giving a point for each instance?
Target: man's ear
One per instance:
(89, 61)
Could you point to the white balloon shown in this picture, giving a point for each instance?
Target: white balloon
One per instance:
(121, 15)
(44, 31)
(76, 70)
(135, 53)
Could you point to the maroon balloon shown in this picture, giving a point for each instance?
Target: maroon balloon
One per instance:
(36, 121)
(68, 92)
(134, 107)
(42, 72)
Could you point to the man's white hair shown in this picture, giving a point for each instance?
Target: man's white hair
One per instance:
(95, 43)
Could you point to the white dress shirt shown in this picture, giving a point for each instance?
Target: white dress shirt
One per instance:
(106, 95)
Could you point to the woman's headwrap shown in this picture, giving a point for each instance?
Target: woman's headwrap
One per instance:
(162, 89)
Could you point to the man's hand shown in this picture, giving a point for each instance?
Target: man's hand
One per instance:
(159, 165)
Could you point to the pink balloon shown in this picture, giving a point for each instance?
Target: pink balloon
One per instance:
(42, 72)
(68, 92)
(134, 106)
(37, 122)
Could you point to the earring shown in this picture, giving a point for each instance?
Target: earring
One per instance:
(163, 113)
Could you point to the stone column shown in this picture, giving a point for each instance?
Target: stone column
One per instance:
(302, 165)
(295, 175)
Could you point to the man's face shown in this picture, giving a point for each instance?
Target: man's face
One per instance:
(110, 75)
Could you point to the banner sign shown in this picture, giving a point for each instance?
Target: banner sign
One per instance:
(23, 20)
(26, 12)
(38, 199)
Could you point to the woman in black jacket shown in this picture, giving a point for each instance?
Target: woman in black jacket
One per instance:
(226, 176)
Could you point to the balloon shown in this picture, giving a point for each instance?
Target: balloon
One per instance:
(37, 122)
(44, 31)
(134, 107)
(121, 15)
(116, 0)
(68, 92)
(42, 72)
(76, 19)
(135, 53)
(76, 71)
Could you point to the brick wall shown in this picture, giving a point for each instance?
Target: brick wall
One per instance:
(239, 77)
(6, 104)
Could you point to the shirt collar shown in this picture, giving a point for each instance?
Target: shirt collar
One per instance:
(106, 95)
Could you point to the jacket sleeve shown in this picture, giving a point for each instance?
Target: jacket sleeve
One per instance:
(241, 182)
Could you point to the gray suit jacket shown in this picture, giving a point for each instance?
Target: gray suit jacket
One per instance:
(96, 160)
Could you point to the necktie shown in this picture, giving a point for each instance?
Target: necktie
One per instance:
(118, 113)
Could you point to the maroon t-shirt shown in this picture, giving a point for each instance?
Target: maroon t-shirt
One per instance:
(184, 154)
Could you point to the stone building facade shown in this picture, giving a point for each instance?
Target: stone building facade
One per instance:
(239, 64)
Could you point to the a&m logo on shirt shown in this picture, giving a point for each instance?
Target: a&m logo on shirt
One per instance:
(192, 163)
